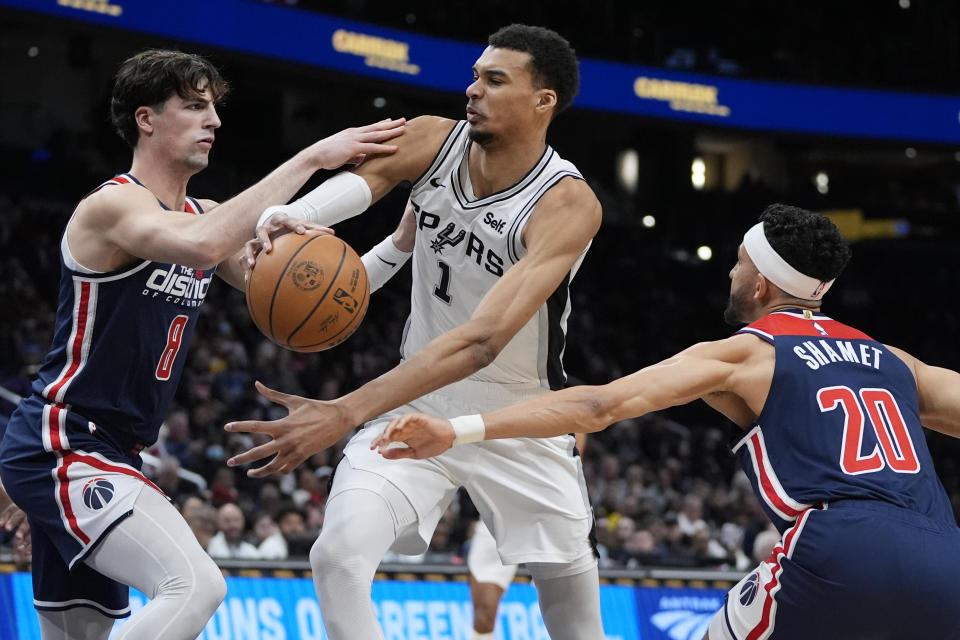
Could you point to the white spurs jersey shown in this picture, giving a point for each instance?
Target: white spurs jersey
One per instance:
(465, 244)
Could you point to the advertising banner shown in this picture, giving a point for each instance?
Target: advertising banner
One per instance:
(306, 37)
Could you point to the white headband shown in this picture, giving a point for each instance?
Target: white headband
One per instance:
(776, 270)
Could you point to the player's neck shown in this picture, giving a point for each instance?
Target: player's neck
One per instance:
(793, 305)
(497, 166)
(168, 185)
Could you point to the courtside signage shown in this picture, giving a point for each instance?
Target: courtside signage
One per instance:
(287, 609)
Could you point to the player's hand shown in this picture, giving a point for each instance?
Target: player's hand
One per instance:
(406, 233)
(310, 426)
(12, 518)
(423, 435)
(351, 146)
(273, 227)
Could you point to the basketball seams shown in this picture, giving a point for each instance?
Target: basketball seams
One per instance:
(279, 283)
(349, 327)
(333, 279)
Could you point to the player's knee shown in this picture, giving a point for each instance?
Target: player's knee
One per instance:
(207, 591)
(550, 570)
(323, 555)
(215, 590)
(332, 559)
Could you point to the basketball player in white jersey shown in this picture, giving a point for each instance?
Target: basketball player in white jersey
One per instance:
(488, 577)
(136, 261)
(503, 223)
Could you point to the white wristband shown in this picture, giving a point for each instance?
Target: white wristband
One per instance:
(468, 429)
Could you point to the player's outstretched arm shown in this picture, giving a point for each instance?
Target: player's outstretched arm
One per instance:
(700, 370)
(129, 218)
(938, 392)
(350, 193)
(565, 221)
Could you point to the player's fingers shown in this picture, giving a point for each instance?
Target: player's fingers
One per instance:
(272, 467)
(272, 394)
(252, 455)
(250, 250)
(371, 137)
(249, 426)
(387, 124)
(315, 227)
(398, 453)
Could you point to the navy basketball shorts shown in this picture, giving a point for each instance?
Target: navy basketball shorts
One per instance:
(74, 487)
(856, 569)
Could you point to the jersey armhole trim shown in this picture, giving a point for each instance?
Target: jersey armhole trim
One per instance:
(442, 153)
(514, 235)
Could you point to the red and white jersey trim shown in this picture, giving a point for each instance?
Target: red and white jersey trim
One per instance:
(81, 335)
(83, 528)
(771, 490)
(784, 549)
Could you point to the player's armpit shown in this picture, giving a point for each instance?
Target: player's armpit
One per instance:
(417, 147)
(938, 393)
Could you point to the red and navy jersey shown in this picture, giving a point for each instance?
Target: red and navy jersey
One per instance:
(120, 341)
(841, 421)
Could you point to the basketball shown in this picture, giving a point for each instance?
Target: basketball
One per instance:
(309, 293)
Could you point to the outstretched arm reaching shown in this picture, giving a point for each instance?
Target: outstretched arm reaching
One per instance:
(700, 370)
(938, 392)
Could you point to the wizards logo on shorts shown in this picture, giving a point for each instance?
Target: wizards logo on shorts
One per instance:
(749, 589)
(97, 493)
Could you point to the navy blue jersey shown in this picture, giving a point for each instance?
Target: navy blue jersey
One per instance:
(841, 421)
(120, 341)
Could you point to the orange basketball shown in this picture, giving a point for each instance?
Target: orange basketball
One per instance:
(309, 293)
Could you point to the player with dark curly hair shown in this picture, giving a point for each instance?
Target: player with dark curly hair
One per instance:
(502, 225)
(834, 447)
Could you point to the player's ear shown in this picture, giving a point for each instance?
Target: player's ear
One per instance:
(144, 116)
(546, 100)
(761, 288)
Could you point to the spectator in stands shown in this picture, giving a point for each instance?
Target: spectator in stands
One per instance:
(270, 541)
(202, 519)
(230, 542)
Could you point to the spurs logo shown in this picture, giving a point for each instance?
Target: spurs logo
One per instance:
(443, 238)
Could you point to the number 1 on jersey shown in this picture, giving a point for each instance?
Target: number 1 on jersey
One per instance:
(174, 338)
(442, 290)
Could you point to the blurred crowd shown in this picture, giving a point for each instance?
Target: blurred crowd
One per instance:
(665, 488)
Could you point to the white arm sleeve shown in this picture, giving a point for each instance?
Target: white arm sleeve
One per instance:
(340, 198)
(383, 261)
